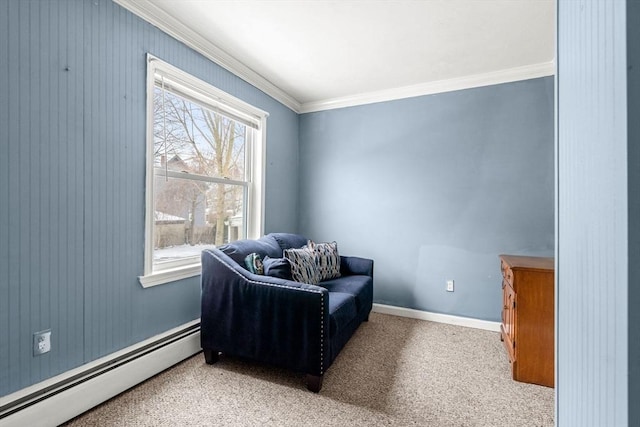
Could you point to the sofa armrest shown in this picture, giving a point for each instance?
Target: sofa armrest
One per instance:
(263, 318)
(351, 265)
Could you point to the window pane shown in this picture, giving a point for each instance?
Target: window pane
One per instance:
(191, 138)
(192, 215)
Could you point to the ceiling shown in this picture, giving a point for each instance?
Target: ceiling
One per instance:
(315, 53)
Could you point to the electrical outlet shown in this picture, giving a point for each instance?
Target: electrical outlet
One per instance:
(41, 342)
(449, 285)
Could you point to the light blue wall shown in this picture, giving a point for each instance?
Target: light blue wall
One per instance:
(597, 215)
(434, 188)
(72, 174)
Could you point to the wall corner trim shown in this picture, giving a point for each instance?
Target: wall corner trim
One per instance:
(437, 317)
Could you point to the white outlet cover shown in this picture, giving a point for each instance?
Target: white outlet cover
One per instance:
(449, 285)
(41, 342)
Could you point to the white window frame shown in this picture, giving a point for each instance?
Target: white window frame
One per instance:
(255, 150)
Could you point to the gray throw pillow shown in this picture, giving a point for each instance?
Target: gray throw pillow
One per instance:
(327, 258)
(304, 268)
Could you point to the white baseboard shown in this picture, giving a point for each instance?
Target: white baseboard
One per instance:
(85, 394)
(437, 317)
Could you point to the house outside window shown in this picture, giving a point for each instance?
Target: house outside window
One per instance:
(205, 163)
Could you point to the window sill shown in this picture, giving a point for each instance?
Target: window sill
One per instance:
(170, 275)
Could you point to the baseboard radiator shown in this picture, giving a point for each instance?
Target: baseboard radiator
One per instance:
(66, 396)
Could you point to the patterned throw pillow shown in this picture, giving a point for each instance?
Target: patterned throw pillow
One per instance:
(254, 263)
(327, 258)
(303, 265)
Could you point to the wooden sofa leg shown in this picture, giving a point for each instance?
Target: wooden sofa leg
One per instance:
(210, 356)
(314, 382)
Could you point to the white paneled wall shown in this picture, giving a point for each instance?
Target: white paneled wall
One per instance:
(592, 220)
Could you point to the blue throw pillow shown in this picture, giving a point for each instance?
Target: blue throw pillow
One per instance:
(277, 267)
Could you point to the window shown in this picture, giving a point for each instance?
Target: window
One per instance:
(204, 182)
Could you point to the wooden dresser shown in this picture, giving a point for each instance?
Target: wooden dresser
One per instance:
(527, 317)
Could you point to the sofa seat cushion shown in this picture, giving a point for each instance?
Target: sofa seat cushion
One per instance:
(358, 286)
(342, 310)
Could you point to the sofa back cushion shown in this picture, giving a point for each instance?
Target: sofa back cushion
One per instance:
(288, 240)
(264, 246)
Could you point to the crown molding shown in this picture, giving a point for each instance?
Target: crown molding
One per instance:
(429, 88)
(151, 13)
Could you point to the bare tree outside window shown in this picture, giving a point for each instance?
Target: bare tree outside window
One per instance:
(199, 176)
(205, 172)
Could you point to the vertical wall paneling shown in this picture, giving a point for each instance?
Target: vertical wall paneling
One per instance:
(22, 173)
(13, 70)
(633, 147)
(38, 170)
(592, 265)
(50, 215)
(72, 176)
(73, 202)
(5, 302)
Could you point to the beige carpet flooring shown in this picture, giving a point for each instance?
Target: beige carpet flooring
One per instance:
(393, 372)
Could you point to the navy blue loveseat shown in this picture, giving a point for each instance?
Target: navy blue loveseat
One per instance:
(294, 325)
